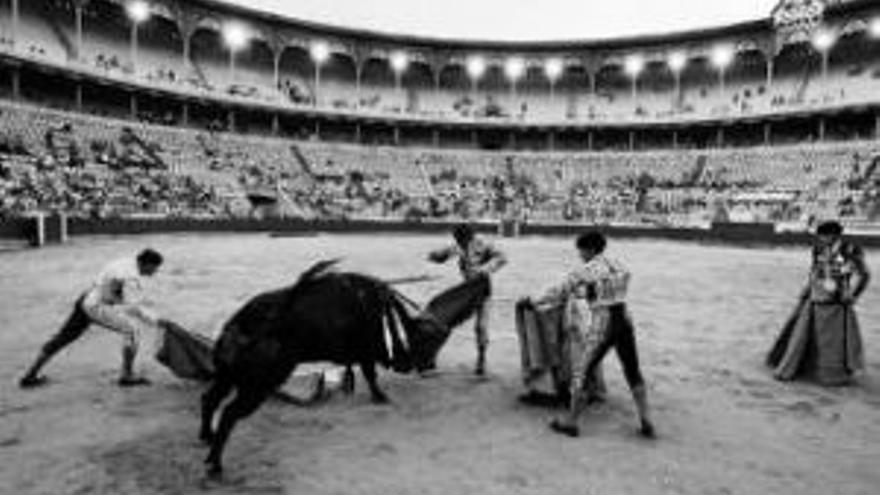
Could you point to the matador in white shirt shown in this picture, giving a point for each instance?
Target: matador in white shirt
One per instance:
(114, 301)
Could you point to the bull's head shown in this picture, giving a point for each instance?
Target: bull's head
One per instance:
(426, 337)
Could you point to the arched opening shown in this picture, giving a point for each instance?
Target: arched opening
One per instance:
(160, 51)
(572, 92)
(699, 86)
(656, 96)
(455, 91)
(296, 75)
(209, 58)
(378, 87)
(338, 82)
(746, 82)
(533, 92)
(794, 68)
(613, 98)
(418, 83)
(107, 37)
(494, 93)
(853, 69)
(254, 70)
(46, 28)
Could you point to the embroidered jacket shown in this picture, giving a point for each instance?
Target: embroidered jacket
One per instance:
(832, 270)
(601, 282)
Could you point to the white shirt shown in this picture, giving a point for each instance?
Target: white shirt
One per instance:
(119, 282)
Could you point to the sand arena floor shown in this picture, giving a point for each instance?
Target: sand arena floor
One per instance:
(705, 317)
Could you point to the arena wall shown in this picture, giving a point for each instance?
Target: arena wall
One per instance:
(735, 234)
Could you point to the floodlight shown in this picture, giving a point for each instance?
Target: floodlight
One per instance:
(634, 65)
(399, 62)
(476, 66)
(235, 35)
(824, 40)
(553, 68)
(514, 68)
(722, 56)
(320, 52)
(874, 30)
(138, 11)
(677, 61)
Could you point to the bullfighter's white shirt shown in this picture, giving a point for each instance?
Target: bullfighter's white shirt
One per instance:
(119, 282)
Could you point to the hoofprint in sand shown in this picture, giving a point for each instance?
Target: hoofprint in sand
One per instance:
(705, 316)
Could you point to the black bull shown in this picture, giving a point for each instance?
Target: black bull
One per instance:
(326, 316)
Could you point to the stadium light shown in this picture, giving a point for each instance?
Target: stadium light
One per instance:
(824, 40)
(476, 66)
(514, 68)
(874, 29)
(633, 65)
(722, 56)
(138, 11)
(320, 52)
(399, 62)
(236, 36)
(553, 69)
(677, 61)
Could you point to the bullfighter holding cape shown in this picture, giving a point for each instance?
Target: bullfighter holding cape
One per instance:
(551, 338)
(477, 259)
(821, 340)
(600, 288)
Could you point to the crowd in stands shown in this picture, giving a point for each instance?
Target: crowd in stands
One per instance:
(770, 184)
(99, 167)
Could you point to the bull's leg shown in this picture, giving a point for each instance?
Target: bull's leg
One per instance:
(211, 400)
(244, 405)
(348, 380)
(369, 371)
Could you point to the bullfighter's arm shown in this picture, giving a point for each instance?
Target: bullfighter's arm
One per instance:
(442, 255)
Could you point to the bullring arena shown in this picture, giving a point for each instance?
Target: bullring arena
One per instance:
(200, 129)
(724, 425)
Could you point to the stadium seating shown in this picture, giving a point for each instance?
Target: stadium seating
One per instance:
(208, 172)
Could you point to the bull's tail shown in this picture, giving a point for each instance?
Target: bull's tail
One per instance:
(424, 335)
